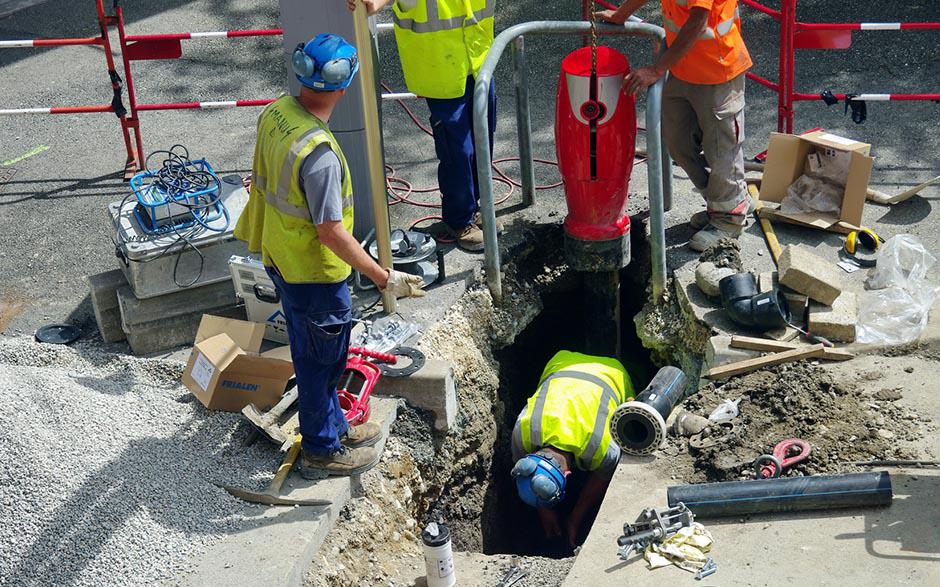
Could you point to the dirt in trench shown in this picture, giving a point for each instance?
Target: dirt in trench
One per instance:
(841, 423)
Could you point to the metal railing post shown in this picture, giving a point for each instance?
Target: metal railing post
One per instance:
(482, 144)
(520, 78)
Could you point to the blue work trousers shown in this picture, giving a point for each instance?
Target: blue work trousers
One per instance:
(452, 124)
(319, 321)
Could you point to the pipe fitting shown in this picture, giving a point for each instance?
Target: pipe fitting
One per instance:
(750, 308)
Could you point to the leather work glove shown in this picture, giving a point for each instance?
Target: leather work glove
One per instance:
(404, 285)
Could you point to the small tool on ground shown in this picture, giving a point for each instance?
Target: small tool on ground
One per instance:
(710, 568)
(786, 453)
(653, 525)
(514, 574)
(272, 496)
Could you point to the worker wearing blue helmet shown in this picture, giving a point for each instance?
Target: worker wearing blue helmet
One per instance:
(565, 426)
(300, 218)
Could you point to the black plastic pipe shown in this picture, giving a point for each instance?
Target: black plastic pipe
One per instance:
(785, 494)
(639, 426)
(747, 307)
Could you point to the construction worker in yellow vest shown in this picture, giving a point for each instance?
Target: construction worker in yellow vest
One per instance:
(565, 426)
(703, 106)
(442, 45)
(300, 218)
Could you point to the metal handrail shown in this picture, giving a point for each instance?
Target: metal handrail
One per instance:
(660, 184)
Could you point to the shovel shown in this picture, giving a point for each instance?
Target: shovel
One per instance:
(272, 496)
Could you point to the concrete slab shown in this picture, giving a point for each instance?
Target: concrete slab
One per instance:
(104, 302)
(810, 274)
(278, 547)
(432, 389)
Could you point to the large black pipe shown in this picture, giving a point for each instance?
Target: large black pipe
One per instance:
(747, 307)
(785, 494)
(639, 426)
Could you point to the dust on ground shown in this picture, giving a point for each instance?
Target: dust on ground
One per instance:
(726, 252)
(841, 421)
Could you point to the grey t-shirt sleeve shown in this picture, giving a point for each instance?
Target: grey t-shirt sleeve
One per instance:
(322, 177)
(611, 459)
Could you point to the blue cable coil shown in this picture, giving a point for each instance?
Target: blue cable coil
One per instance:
(178, 196)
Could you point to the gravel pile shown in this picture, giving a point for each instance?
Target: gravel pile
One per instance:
(107, 468)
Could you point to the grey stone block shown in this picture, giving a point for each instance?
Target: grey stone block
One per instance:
(809, 274)
(795, 301)
(432, 389)
(835, 322)
(157, 324)
(103, 288)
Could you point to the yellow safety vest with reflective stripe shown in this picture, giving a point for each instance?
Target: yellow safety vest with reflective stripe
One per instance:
(719, 55)
(277, 219)
(441, 42)
(572, 408)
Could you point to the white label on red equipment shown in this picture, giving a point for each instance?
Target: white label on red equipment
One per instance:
(202, 371)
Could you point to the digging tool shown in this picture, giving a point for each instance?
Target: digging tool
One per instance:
(267, 423)
(272, 496)
(883, 198)
(772, 243)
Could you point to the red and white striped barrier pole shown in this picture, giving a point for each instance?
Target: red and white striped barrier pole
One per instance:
(15, 44)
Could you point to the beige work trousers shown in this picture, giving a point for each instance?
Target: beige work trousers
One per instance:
(703, 127)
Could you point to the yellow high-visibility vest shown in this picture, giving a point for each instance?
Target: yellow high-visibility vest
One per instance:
(277, 219)
(572, 408)
(441, 42)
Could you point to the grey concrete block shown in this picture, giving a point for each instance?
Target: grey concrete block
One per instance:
(432, 389)
(835, 322)
(103, 288)
(707, 277)
(157, 324)
(810, 274)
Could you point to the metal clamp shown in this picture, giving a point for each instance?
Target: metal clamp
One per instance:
(710, 568)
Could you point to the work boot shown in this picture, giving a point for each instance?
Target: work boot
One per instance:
(365, 434)
(345, 461)
(469, 238)
(711, 234)
(700, 220)
(478, 220)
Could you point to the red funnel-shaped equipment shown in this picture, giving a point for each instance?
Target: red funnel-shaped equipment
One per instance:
(595, 140)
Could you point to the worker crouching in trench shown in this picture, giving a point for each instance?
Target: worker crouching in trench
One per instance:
(561, 442)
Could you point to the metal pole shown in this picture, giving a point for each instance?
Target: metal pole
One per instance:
(656, 180)
(370, 110)
(520, 79)
(482, 143)
(658, 49)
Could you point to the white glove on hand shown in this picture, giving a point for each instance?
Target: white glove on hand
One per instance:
(404, 285)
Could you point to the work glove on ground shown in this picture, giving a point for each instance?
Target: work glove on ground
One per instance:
(404, 285)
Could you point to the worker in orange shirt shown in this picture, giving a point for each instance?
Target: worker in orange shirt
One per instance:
(703, 105)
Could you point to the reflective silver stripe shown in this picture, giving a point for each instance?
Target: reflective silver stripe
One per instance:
(724, 28)
(517, 432)
(279, 197)
(435, 24)
(260, 181)
(535, 422)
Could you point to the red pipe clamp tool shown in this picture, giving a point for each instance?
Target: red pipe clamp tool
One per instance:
(786, 454)
(358, 381)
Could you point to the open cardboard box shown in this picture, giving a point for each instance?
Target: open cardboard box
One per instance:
(786, 157)
(225, 370)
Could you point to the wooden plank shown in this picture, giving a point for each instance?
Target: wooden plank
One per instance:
(764, 344)
(772, 243)
(746, 366)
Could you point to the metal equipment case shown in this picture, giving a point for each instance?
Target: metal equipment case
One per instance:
(262, 302)
(154, 263)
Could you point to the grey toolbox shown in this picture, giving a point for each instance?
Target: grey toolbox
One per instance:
(262, 302)
(153, 264)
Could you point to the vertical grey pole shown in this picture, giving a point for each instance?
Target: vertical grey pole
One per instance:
(481, 142)
(667, 179)
(520, 78)
(654, 164)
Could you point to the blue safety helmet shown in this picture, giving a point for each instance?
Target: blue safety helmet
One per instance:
(325, 63)
(539, 481)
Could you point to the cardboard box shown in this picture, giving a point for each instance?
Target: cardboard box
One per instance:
(225, 370)
(786, 158)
